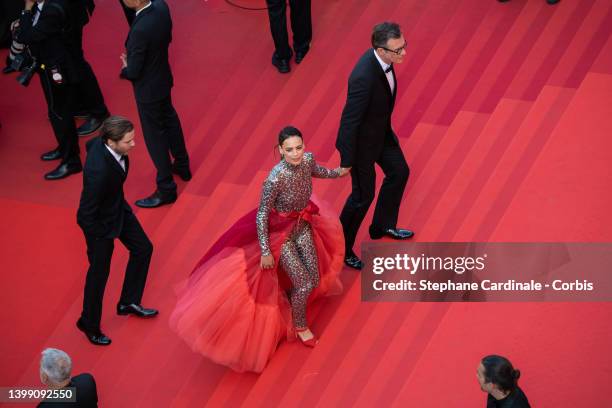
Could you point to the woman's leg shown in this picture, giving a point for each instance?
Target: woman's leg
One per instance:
(298, 258)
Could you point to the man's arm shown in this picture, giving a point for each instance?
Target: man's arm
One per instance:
(136, 54)
(89, 207)
(357, 103)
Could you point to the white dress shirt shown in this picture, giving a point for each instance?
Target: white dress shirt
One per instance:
(147, 6)
(117, 156)
(39, 6)
(389, 74)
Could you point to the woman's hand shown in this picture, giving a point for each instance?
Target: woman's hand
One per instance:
(343, 171)
(267, 262)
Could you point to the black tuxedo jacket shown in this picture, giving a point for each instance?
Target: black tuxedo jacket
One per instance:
(102, 207)
(49, 38)
(365, 126)
(147, 53)
(86, 393)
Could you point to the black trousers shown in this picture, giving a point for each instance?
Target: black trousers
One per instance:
(163, 136)
(301, 25)
(99, 253)
(59, 97)
(363, 176)
(89, 96)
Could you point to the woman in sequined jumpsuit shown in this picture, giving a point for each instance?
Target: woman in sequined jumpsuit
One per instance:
(288, 189)
(252, 287)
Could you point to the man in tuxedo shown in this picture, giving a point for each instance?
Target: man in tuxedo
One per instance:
(146, 66)
(55, 370)
(366, 138)
(104, 215)
(42, 27)
(301, 25)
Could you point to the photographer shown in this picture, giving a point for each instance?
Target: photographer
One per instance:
(43, 26)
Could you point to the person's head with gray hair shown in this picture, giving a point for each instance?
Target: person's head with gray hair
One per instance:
(55, 368)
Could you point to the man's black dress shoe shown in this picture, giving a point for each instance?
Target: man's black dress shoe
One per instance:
(63, 171)
(184, 174)
(80, 114)
(95, 337)
(351, 260)
(91, 125)
(8, 69)
(52, 155)
(394, 233)
(281, 64)
(136, 310)
(299, 56)
(155, 200)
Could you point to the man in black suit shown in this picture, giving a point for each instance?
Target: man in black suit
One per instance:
(42, 27)
(366, 137)
(301, 25)
(104, 215)
(55, 370)
(146, 65)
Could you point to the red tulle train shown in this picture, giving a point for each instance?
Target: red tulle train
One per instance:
(235, 313)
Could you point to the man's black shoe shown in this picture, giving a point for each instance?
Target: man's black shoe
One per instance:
(351, 260)
(52, 155)
(91, 125)
(299, 55)
(281, 64)
(394, 233)
(80, 115)
(63, 171)
(95, 337)
(552, 1)
(184, 174)
(155, 200)
(136, 310)
(8, 69)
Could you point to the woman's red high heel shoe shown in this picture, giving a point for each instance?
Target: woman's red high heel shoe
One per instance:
(311, 342)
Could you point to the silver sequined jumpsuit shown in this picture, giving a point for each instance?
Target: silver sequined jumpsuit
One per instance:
(288, 188)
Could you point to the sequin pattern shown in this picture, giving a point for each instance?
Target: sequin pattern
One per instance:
(288, 188)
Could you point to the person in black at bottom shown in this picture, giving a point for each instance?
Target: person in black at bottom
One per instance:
(301, 25)
(55, 369)
(42, 27)
(499, 379)
(104, 215)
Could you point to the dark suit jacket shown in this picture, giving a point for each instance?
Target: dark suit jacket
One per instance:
(147, 53)
(86, 393)
(49, 39)
(102, 207)
(365, 126)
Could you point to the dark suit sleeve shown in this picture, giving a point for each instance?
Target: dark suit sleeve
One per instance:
(50, 22)
(136, 54)
(89, 208)
(356, 104)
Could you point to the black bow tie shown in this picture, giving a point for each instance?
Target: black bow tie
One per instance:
(389, 68)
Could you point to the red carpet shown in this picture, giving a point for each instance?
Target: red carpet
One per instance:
(503, 112)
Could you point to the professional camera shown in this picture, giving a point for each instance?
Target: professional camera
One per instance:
(21, 61)
(28, 72)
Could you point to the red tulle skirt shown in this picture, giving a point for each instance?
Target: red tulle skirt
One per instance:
(235, 313)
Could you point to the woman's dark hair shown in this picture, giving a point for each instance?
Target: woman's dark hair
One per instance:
(499, 371)
(114, 128)
(287, 132)
(383, 32)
